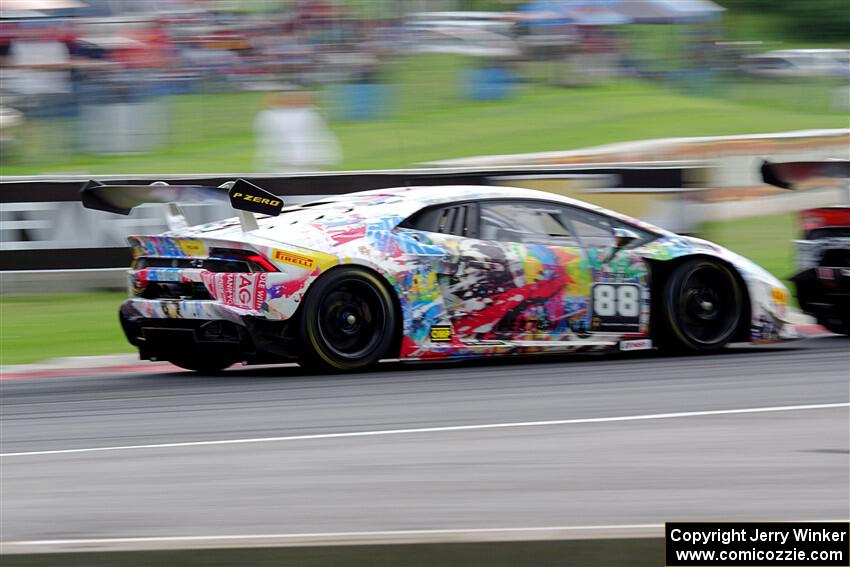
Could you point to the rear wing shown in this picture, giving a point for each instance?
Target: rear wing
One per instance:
(243, 196)
(792, 174)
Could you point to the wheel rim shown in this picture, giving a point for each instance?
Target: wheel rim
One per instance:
(351, 319)
(708, 305)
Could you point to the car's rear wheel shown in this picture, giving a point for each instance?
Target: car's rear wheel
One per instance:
(348, 321)
(702, 306)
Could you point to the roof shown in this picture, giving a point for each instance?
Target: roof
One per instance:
(401, 202)
(327, 224)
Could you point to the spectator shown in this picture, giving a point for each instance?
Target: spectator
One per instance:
(292, 136)
(41, 67)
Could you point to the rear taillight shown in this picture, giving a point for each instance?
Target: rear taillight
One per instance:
(255, 261)
(221, 260)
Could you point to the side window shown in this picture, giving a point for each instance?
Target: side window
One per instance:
(531, 222)
(457, 220)
(596, 230)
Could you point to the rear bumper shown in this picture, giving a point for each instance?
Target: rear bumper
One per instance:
(167, 330)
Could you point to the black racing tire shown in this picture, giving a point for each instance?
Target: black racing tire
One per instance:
(203, 362)
(348, 321)
(702, 305)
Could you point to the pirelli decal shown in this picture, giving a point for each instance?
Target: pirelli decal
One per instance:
(441, 333)
(294, 259)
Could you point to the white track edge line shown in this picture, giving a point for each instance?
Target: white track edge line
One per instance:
(456, 535)
(440, 429)
(334, 535)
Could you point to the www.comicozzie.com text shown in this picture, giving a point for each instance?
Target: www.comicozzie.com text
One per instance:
(727, 536)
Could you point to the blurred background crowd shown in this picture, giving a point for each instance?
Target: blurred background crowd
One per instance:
(103, 86)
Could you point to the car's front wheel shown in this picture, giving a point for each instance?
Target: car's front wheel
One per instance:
(348, 321)
(702, 307)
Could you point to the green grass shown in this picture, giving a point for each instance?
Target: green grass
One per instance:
(40, 327)
(431, 121)
(764, 240)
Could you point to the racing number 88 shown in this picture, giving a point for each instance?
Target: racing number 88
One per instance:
(616, 300)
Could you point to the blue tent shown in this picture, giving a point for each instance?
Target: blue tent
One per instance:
(545, 12)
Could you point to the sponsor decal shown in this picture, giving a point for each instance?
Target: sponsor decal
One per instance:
(441, 333)
(192, 247)
(257, 199)
(171, 310)
(638, 344)
(595, 324)
(779, 295)
(246, 196)
(294, 259)
(244, 290)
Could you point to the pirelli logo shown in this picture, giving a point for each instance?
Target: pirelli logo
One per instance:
(257, 199)
(245, 196)
(441, 333)
(294, 259)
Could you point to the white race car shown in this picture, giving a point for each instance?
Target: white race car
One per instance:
(420, 273)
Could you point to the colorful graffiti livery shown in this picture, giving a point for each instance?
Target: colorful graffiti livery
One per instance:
(460, 291)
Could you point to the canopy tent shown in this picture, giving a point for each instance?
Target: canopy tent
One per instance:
(597, 16)
(40, 5)
(544, 12)
(670, 11)
(580, 12)
(25, 9)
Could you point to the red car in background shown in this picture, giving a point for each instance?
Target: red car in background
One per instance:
(823, 263)
(823, 255)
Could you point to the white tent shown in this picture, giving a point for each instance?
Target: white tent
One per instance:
(670, 11)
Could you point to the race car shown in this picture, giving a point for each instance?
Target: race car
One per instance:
(822, 279)
(823, 267)
(426, 273)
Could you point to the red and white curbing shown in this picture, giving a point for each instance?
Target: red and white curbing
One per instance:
(72, 366)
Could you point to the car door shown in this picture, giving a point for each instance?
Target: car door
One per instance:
(618, 294)
(475, 275)
(532, 294)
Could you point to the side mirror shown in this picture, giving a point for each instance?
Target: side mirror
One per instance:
(623, 237)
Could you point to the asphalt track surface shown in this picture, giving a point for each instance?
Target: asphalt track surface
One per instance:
(756, 433)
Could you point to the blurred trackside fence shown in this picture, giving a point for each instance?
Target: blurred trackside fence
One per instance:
(734, 188)
(44, 226)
